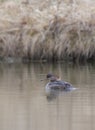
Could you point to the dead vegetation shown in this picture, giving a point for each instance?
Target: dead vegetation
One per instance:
(46, 31)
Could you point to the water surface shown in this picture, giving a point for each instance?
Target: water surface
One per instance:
(25, 104)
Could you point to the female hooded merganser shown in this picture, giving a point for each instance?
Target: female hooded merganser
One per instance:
(57, 84)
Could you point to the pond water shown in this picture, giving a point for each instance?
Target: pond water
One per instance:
(25, 104)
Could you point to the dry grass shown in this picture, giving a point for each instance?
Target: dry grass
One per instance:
(47, 31)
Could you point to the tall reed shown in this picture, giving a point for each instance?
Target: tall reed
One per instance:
(48, 32)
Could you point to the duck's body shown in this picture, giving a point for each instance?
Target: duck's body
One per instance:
(57, 84)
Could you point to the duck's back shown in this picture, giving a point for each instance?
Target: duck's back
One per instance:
(60, 85)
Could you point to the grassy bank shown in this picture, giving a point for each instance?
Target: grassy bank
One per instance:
(47, 31)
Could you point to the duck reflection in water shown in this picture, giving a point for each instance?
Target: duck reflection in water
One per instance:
(52, 94)
(55, 83)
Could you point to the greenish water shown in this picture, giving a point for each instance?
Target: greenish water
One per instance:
(25, 104)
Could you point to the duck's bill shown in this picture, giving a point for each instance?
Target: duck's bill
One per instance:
(43, 79)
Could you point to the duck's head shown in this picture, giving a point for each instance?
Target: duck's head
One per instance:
(52, 77)
(49, 75)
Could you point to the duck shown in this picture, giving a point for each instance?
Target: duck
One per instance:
(55, 83)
